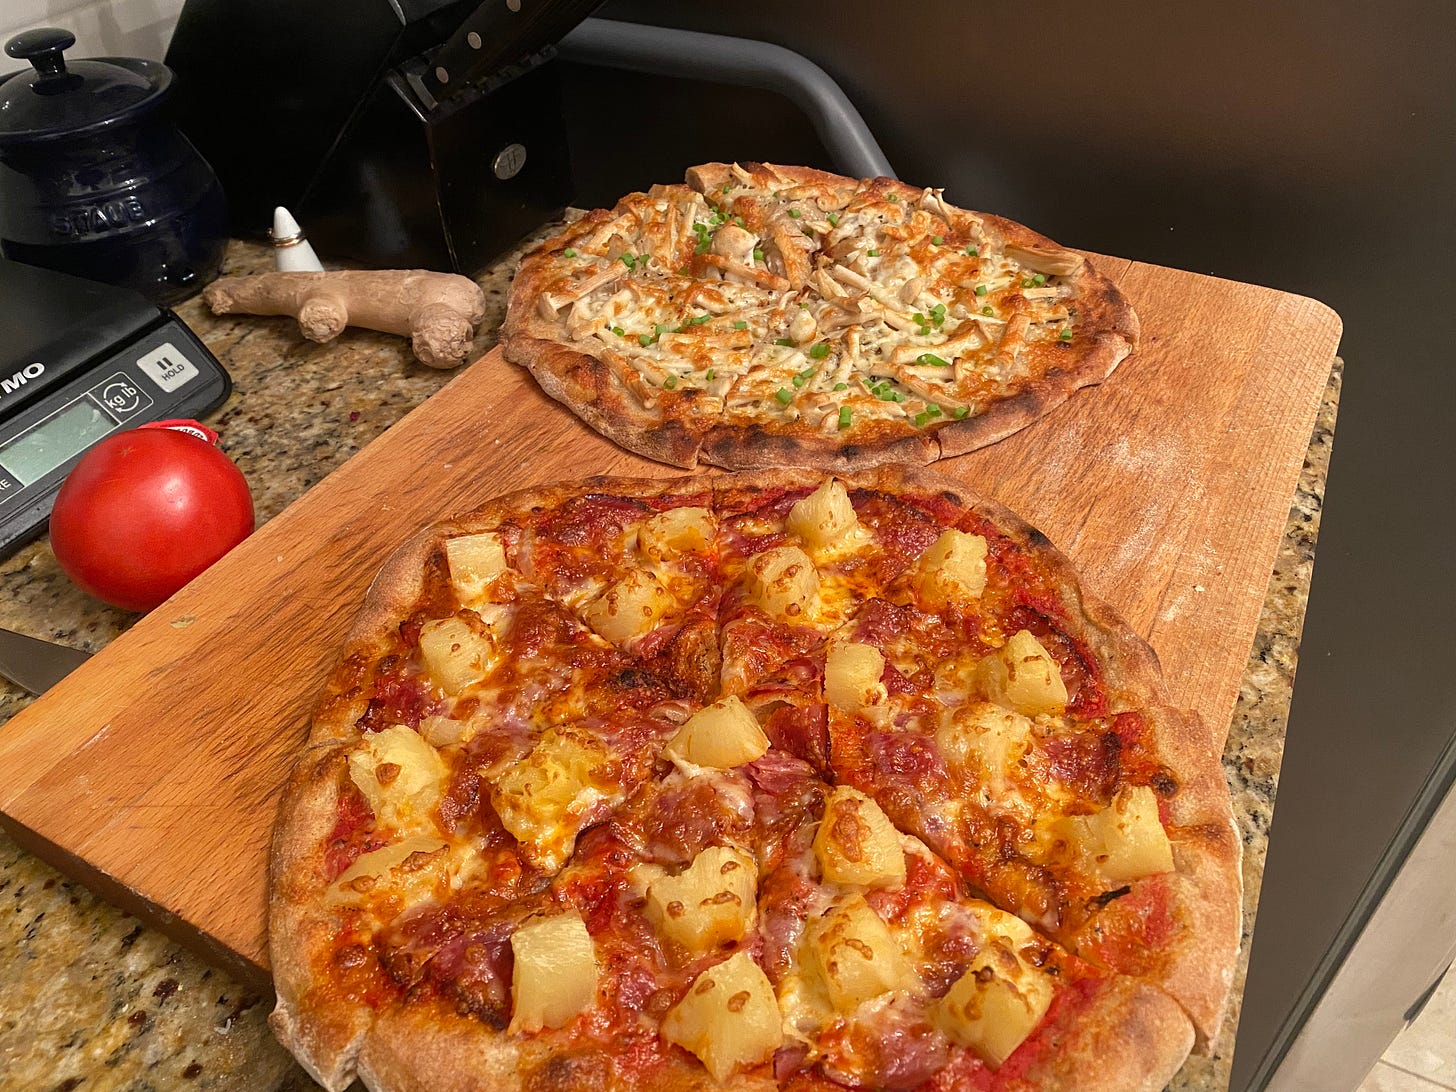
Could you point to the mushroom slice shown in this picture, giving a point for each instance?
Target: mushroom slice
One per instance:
(742, 274)
(1054, 262)
(1012, 339)
(795, 261)
(630, 376)
(583, 287)
(829, 288)
(734, 243)
(622, 225)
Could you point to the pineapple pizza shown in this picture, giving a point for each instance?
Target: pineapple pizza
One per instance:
(770, 780)
(764, 315)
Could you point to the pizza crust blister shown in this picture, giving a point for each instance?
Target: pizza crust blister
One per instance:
(726, 779)
(763, 316)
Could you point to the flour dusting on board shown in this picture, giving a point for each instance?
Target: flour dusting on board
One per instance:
(1143, 528)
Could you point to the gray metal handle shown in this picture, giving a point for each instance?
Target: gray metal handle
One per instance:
(691, 54)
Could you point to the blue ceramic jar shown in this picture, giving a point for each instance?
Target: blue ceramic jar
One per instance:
(95, 181)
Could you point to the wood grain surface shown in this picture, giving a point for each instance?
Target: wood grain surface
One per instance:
(152, 772)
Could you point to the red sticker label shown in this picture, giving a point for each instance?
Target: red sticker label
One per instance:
(192, 428)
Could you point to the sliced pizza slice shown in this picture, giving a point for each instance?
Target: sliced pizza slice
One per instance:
(1038, 754)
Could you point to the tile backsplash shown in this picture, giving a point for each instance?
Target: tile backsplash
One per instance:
(116, 28)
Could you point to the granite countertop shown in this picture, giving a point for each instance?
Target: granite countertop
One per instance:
(92, 999)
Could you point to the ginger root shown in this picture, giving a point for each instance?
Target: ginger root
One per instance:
(437, 311)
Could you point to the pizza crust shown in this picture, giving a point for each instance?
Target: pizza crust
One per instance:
(682, 428)
(1132, 1038)
(324, 1035)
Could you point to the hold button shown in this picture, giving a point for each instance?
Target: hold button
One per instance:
(167, 367)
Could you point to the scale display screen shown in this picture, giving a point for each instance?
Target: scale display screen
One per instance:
(33, 454)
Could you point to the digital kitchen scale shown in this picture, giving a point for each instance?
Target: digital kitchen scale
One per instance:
(80, 360)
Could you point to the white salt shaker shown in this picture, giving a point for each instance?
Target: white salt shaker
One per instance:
(291, 249)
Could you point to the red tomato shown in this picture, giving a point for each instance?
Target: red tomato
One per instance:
(144, 512)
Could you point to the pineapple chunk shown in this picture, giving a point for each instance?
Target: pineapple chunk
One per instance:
(722, 735)
(541, 799)
(999, 1000)
(476, 562)
(729, 1017)
(852, 677)
(986, 736)
(401, 776)
(709, 904)
(784, 582)
(852, 951)
(1022, 675)
(1125, 840)
(456, 654)
(555, 975)
(676, 532)
(953, 570)
(414, 859)
(631, 608)
(824, 517)
(857, 843)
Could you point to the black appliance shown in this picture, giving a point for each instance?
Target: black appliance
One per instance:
(404, 133)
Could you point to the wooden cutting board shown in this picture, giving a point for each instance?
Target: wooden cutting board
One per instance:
(152, 772)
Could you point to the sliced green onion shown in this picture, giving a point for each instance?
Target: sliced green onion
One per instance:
(758, 255)
(787, 342)
(795, 213)
(841, 386)
(921, 419)
(933, 410)
(937, 240)
(833, 219)
(799, 381)
(727, 186)
(930, 360)
(872, 252)
(684, 271)
(918, 317)
(987, 311)
(844, 416)
(894, 198)
(629, 261)
(1039, 280)
(739, 221)
(711, 372)
(960, 412)
(669, 383)
(808, 372)
(1025, 282)
(644, 340)
(739, 324)
(981, 290)
(820, 351)
(698, 320)
(659, 329)
(569, 252)
(1066, 335)
(783, 395)
(619, 331)
(972, 252)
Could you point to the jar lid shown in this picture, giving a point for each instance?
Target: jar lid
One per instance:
(55, 100)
